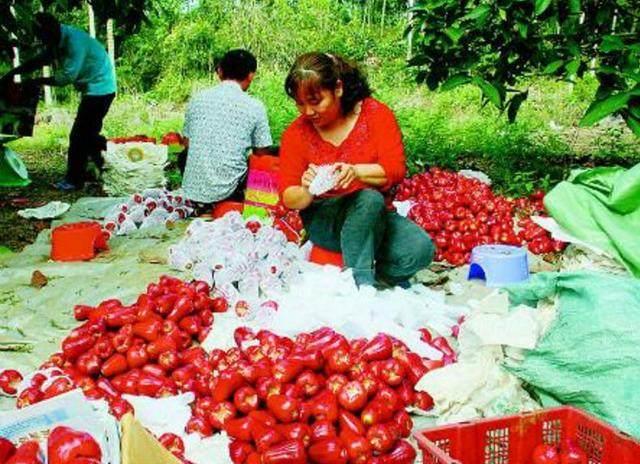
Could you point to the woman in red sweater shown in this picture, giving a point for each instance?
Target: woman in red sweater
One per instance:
(340, 124)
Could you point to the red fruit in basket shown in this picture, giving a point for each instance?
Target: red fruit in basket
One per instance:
(352, 396)
(296, 431)
(239, 451)
(284, 409)
(378, 349)
(263, 417)
(287, 452)
(150, 385)
(350, 423)
(402, 453)
(338, 361)
(240, 429)
(358, 448)
(406, 393)
(330, 451)
(310, 383)
(169, 360)
(199, 425)
(389, 398)
(221, 413)
(173, 443)
(74, 346)
(370, 384)
(336, 382)
(137, 356)
(571, 453)
(545, 454)
(322, 430)
(116, 364)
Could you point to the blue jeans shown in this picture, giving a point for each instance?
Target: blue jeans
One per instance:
(374, 242)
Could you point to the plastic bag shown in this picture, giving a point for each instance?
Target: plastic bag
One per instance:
(324, 181)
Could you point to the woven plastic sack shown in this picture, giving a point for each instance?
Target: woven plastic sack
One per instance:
(590, 357)
(133, 167)
(601, 207)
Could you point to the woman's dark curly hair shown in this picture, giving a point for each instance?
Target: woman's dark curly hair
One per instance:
(314, 71)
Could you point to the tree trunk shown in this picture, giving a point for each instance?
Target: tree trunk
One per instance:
(384, 13)
(111, 49)
(92, 20)
(410, 4)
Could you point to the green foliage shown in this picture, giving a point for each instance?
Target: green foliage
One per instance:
(493, 44)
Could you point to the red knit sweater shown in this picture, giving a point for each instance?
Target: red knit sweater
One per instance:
(375, 139)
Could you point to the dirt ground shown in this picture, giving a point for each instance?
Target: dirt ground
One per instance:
(44, 170)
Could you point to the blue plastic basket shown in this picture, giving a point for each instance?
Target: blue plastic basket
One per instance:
(499, 265)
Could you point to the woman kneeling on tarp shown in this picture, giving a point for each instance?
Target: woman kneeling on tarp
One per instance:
(340, 124)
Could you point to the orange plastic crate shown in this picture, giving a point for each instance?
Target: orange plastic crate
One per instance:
(512, 439)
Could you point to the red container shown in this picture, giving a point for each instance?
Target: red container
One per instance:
(222, 208)
(512, 439)
(77, 241)
(321, 255)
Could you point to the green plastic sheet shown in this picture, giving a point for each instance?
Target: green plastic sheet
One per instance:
(601, 206)
(590, 357)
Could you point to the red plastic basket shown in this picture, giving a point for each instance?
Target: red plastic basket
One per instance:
(512, 439)
(321, 255)
(77, 241)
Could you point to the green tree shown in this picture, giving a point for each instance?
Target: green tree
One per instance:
(494, 43)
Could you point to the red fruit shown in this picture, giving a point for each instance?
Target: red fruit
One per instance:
(328, 451)
(263, 417)
(325, 406)
(296, 431)
(160, 345)
(267, 387)
(9, 380)
(220, 413)
(322, 430)
(66, 445)
(169, 360)
(239, 451)
(58, 387)
(286, 370)
(287, 452)
(358, 448)
(423, 401)
(310, 383)
(404, 422)
(338, 361)
(239, 429)
(199, 425)
(264, 436)
(382, 437)
(571, 453)
(350, 423)
(406, 393)
(219, 305)
(246, 400)
(389, 398)
(352, 396)
(116, 364)
(402, 453)
(284, 409)
(229, 381)
(26, 453)
(392, 372)
(173, 443)
(336, 382)
(150, 385)
(376, 412)
(545, 454)
(7, 449)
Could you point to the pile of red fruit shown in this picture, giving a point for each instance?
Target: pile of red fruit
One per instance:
(64, 446)
(318, 398)
(460, 213)
(145, 348)
(567, 453)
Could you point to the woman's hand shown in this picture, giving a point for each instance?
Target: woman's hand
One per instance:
(309, 175)
(345, 174)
